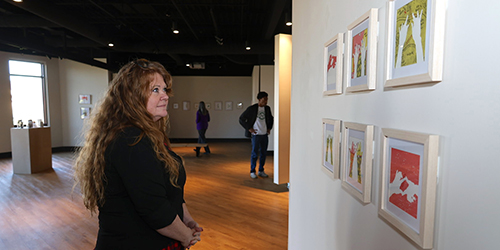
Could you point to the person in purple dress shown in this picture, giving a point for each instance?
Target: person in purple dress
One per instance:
(202, 119)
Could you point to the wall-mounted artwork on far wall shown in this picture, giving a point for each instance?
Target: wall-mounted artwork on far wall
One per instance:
(84, 112)
(361, 53)
(415, 42)
(333, 61)
(331, 147)
(229, 105)
(408, 183)
(84, 99)
(357, 154)
(218, 105)
(186, 105)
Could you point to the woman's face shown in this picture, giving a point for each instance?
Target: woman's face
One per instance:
(158, 99)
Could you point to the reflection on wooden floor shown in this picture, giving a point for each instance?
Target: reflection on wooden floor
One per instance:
(40, 211)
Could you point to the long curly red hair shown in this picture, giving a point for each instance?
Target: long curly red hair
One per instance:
(123, 105)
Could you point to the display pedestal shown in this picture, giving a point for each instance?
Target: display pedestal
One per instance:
(31, 150)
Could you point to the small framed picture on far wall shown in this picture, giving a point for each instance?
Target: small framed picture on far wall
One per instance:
(84, 112)
(229, 105)
(84, 99)
(218, 105)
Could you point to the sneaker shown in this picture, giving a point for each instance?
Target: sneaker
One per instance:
(263, 174)
(253, 175)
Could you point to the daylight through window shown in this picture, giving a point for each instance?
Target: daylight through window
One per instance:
(27, 88)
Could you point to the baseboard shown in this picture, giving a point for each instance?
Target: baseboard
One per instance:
(5, 155)
(54, 150)
(194, 140)
(64, 149)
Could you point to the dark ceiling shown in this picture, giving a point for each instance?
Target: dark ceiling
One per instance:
(213, 33)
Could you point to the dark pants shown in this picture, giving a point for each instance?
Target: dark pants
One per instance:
(259, 144)
(202, 139)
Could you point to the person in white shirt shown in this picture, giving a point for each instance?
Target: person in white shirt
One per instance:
(258, 122)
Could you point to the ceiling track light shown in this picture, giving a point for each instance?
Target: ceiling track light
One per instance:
(174, 28)
(288, 20)
(111, 44)
(247, 45)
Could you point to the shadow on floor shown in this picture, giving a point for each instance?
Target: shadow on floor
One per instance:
(265, 184)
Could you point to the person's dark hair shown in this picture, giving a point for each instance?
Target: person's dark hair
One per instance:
(202, 109)
(261, 94)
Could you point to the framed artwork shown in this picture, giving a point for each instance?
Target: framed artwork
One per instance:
(415, 42)
(408, 183)
(218, 105)
(84, 112)
(229, 105)
(175, 105)
(334, 52)
(357, 154)
(196, 106)
(207, 105)
(360, 66)
(331, 147)
(84, 99)
(239, 105)
(186, 105)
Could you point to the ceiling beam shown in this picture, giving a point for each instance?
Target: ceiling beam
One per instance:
(62, 18)
(277, 10)
(23, 44)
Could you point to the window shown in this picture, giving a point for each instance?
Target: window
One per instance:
(27, 88)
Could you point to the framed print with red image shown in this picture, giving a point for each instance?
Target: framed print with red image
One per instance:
(408, 183)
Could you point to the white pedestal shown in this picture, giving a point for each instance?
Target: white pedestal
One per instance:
(31, 150)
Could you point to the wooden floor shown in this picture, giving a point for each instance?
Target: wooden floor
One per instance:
(40, 211)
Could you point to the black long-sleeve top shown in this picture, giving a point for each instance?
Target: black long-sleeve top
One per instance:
(248, 117)
(139, 198)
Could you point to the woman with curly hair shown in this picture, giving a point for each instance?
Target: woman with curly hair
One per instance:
(126, 169)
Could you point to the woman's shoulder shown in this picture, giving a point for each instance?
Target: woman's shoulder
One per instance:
(130, 135)
(131, 130)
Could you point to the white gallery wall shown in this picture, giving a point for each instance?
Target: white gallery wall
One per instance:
(193, 89)
(78, 79)
(463, 109)
(68, 79)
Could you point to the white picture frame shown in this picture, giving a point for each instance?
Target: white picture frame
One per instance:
(229, 105)
(409, 62)
(84, 99)
(333, 65)
(186, 105)
(84, 112)
(357, 146)
(218, 105)
(361, 46)
(408, 183)
(331, 147)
